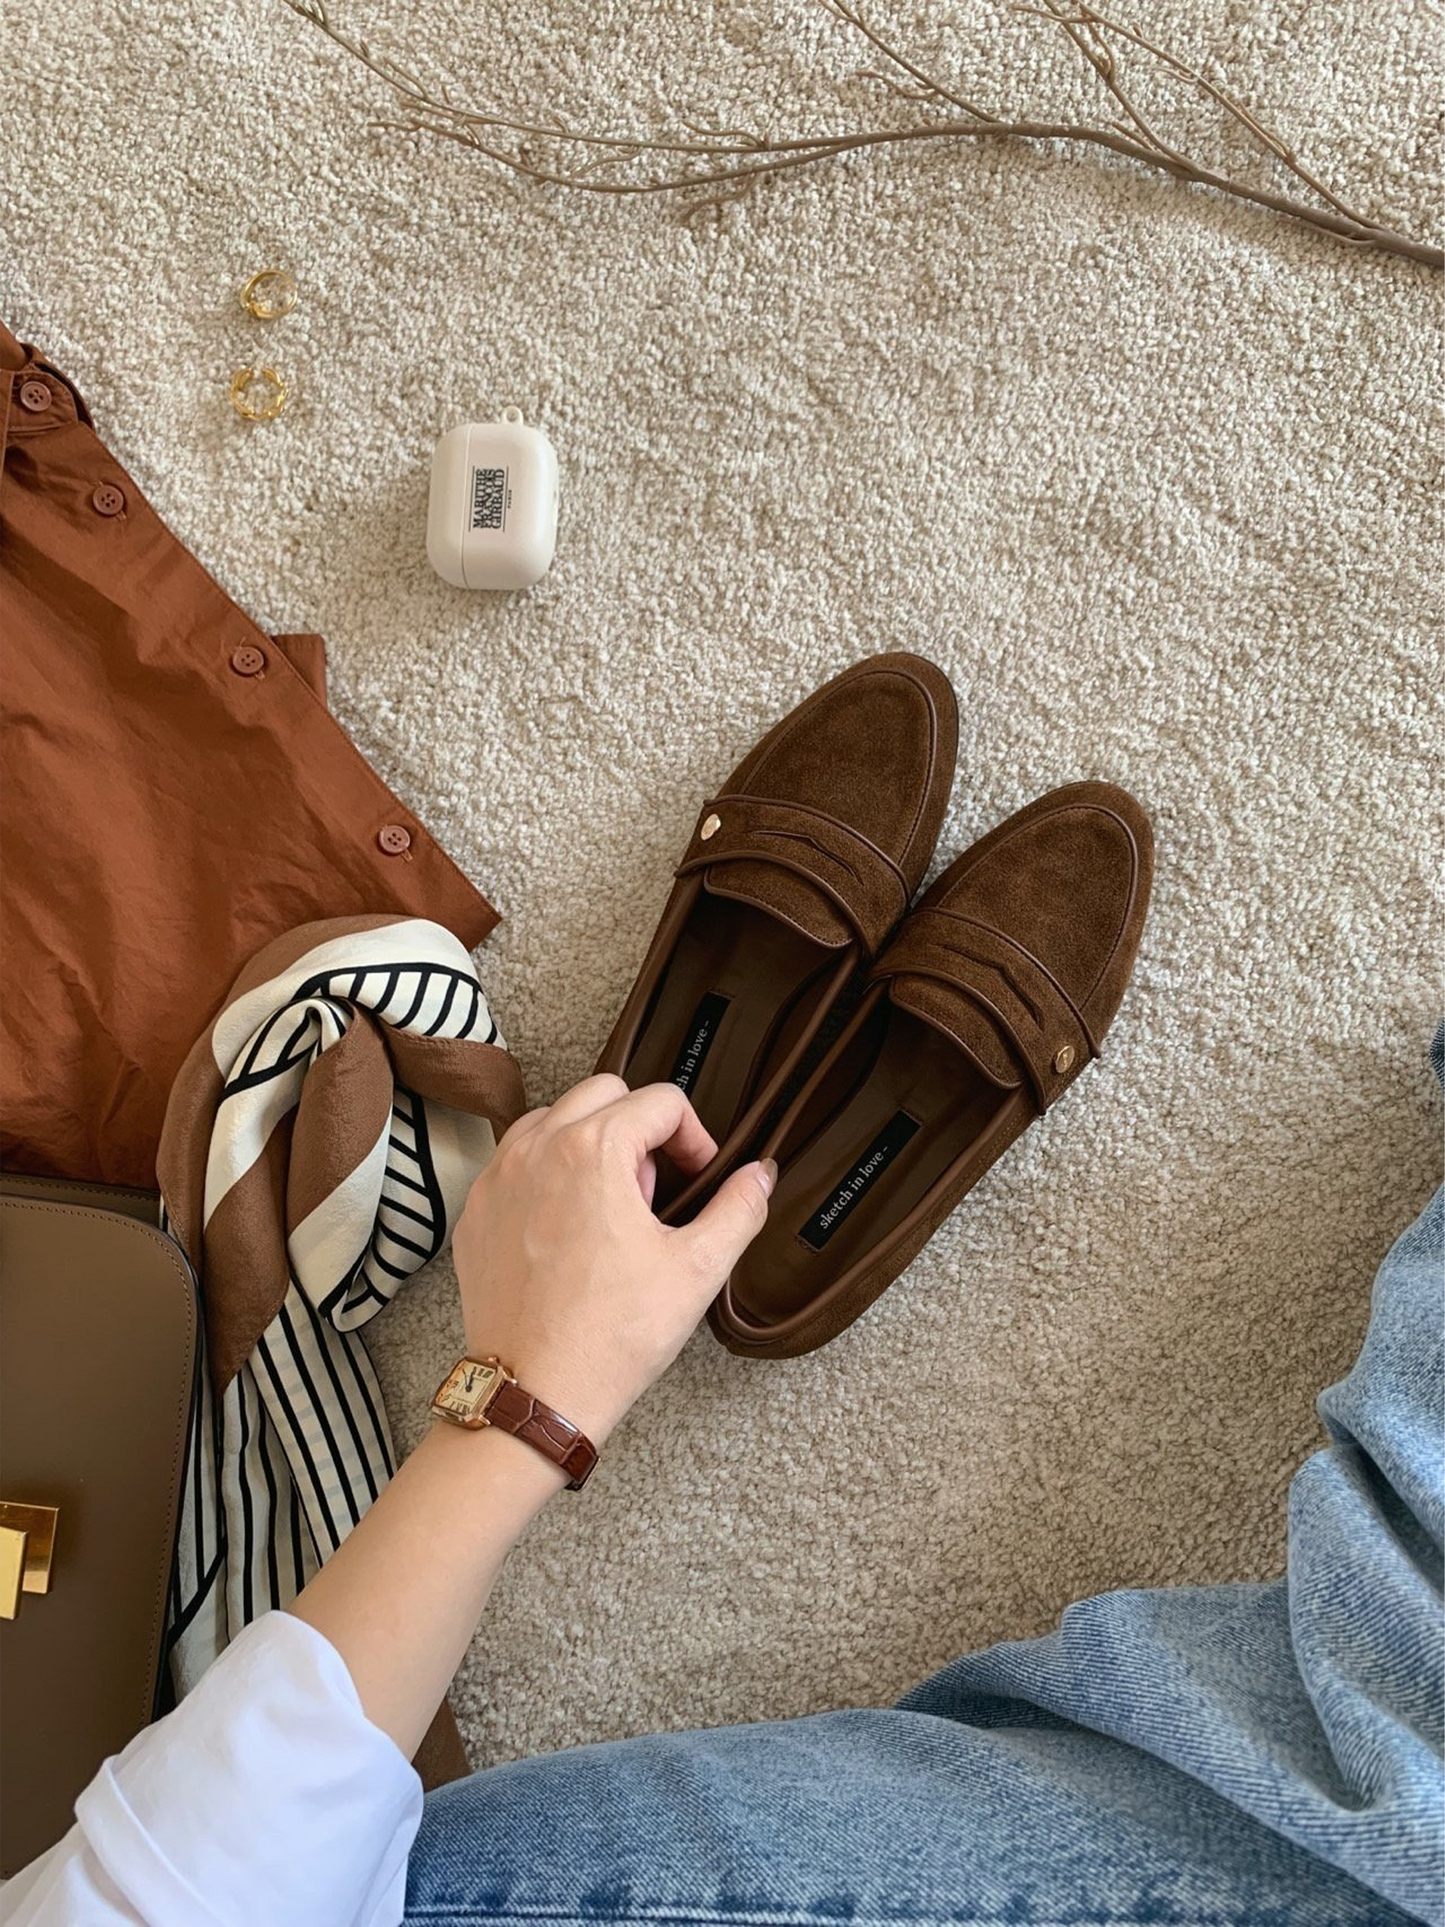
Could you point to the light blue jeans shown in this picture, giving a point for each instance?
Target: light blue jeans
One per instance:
(1249, 1753)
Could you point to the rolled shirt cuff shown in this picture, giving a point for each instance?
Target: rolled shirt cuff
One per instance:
(266, 1795)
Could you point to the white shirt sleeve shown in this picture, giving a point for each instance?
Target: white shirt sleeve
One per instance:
(267, 1795)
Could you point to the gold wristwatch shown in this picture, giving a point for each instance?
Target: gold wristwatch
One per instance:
(481, 1391)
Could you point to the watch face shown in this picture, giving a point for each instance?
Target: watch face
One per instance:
(468, 1390)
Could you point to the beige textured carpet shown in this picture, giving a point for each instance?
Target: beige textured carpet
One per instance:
(1152, 477)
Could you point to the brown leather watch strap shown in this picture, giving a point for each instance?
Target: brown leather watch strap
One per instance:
(556, 1438)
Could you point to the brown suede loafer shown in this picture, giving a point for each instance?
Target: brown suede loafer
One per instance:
(797, 872)
(991, 999)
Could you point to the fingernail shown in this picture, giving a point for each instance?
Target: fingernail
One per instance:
(768, 1173)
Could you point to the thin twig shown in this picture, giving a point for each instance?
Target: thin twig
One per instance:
(851, 17)
(1084, 30)
(1237, 111)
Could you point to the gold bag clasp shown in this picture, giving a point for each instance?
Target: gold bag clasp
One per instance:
(27, 1546)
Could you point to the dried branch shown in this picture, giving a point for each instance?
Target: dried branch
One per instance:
(711, 165)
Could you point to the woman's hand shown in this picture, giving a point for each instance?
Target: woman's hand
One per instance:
(569, 1279)
(566, 1275)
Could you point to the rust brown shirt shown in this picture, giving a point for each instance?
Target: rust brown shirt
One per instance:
(174, 793)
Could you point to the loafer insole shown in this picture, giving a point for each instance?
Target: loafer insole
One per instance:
(733, 993)
(900, 1109)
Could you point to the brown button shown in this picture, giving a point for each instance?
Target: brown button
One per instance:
(248, 660)
(394, 839)
(107, 499)
(35, 395)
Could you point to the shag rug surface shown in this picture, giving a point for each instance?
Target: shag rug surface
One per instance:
(1152, 475)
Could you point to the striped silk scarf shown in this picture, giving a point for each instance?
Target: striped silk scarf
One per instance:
(318, 1146)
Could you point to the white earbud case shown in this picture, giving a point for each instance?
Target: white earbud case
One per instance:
(492, 518)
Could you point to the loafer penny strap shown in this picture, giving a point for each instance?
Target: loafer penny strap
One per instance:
(1002, 1004)
(862, 884)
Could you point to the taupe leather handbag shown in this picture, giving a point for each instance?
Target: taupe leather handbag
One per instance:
(98, 1342)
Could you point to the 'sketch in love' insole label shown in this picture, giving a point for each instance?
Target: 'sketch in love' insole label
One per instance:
(848, 1194)
(701, 1035)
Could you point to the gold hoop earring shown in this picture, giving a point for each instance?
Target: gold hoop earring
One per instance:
(270, 293)
(247, 406)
